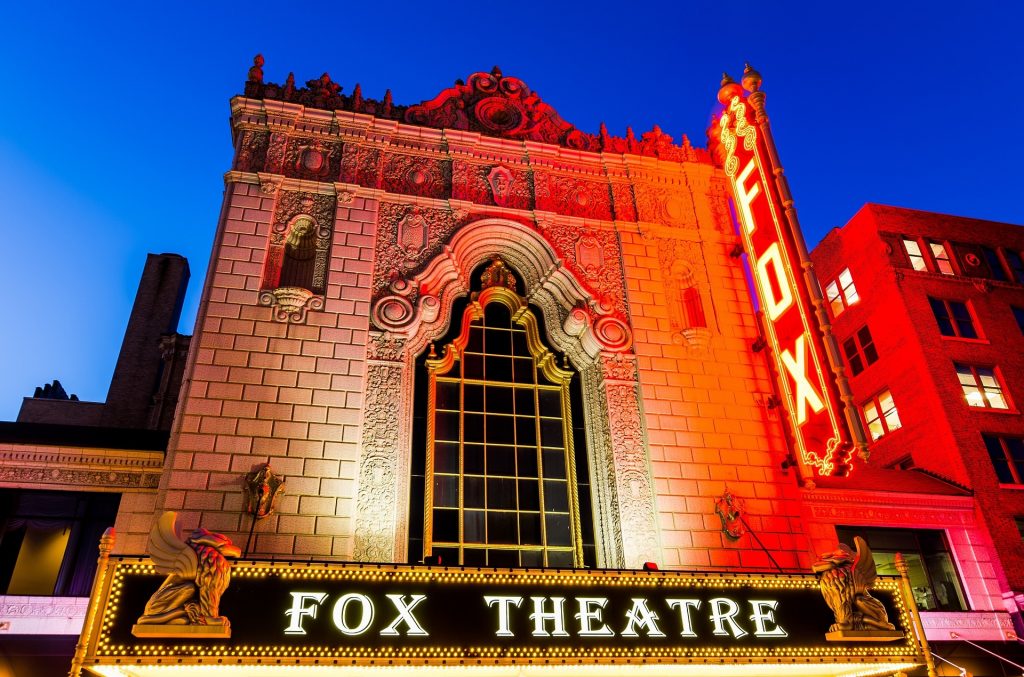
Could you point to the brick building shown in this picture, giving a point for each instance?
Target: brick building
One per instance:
(934, 344)
(388, 281)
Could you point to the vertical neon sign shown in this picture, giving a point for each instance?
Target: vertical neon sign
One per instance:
(824, 426)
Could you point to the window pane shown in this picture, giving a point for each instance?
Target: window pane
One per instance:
(473, 526)
(558, 529)
(501, 461)
(1016, 265)
(915, 255)
(962, 316)
(502, 528)
(529, 528)
(447, 395)
(501, 493)
(994, 264)
(941, 258)
(556, 496)
(446, 525)
(446, 458)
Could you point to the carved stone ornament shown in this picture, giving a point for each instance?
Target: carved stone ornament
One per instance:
(291, 303)
(187, 604)
(845, 579)
(500, 180)
(489, 103)
(729, 510)
(413, 231)
(262, 488)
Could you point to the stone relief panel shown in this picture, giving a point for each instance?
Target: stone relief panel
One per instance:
(718, 196)
(398, 250)
(573, 196)
(668, 205)
(252, 151)
(585, 251)
(361, 165)
(623, 202)
(490, 184)
(312, 159)
(417, 175)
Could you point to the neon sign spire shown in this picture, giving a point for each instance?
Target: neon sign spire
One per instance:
(823, 424)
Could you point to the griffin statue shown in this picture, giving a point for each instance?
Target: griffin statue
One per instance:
(845, 579)
(198, 573)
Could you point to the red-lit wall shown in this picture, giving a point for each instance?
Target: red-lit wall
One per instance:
(940, 431)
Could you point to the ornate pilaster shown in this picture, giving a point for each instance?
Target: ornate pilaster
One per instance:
(631, 466)
(381, 485)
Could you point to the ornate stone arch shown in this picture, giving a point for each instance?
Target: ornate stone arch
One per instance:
(412, 312)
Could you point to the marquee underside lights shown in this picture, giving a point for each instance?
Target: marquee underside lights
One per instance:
(334, 616)
(741, 670)
(808, 384)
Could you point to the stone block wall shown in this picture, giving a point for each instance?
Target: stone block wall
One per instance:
(262, 390)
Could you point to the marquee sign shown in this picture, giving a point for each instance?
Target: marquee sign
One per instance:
(821, 436)
(336, 614)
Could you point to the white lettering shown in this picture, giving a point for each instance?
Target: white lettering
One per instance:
(405, 616)
(723, 611)
(300, 610)
(805, 392)
(588, 614)
(764, 613)
(773, 306)
(747, 196)
(504, 604)
(365, 618)
(685, 606)
(556, 616)
(641, 616)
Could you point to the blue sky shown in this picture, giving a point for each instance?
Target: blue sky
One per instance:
(114, 121)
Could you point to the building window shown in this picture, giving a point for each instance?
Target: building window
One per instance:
(994, 264)
(1020, 525)
(841, 293)
(1007, 454)
(880, 415)
(933, 578)
(981, 386)
(1016, 265)
(504, 479)
(941, 255)
(953, 317)
(1018, 314)
(860, 350)
(49, 540)
(915, 254)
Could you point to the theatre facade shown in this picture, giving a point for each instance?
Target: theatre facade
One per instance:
(474, 390)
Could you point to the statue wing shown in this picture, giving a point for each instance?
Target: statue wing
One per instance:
(864, 571)
(170, 554)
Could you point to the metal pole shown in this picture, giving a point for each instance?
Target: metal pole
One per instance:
(915, 617)
(106, 546)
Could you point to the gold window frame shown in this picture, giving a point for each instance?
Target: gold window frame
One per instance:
(545, 362)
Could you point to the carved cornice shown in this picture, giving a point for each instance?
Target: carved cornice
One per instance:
(65, 467)
(489, 104)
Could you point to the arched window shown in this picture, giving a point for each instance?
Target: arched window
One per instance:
(500, 472)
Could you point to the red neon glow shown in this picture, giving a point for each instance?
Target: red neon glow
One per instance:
(808, 387)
